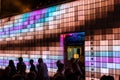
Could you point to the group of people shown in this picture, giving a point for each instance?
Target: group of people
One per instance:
(19, 72)
(73, 71)
(40, 72)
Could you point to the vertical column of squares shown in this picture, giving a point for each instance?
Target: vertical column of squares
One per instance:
(116, 45)
(92, 58)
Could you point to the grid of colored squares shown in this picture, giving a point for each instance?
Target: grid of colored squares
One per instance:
(55, 17)
(102, 54)
(51, 23)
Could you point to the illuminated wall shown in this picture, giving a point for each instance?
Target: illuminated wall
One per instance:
(37, 34)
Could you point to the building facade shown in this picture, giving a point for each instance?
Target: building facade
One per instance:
(42, 33)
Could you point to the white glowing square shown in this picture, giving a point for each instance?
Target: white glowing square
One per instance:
(116, 48)
(31, 29)
(39, 29)
(104, 70)
(62, 11)
(25, 55)
(87, 58)
(20, 38)
(104, 42)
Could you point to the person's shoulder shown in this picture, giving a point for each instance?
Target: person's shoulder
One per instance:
(44, 63)
(57, 74)
(38, 65)
(33, 65)
(18, 63)
(24, 63)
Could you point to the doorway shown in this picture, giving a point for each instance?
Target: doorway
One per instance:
(73, 48)
(73, 44)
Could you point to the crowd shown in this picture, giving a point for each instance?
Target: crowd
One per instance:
(73, 71)
(40, 72)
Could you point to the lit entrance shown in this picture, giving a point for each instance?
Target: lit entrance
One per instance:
(73, 44)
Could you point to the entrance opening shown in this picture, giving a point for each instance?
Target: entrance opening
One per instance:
(74, 44)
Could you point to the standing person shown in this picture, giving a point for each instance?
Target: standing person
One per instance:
(75, 68)
(32, 66)
(6, 74)
(59, 74)
(31, 76)
(13, 68)
(58, 62)
(69, 75)
(42, 73)
(21, 67)
(20, 64)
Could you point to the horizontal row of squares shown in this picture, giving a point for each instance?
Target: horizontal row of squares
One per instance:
(103, 59)
(103, 70)
(103, 54)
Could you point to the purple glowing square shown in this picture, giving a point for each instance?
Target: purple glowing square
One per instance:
(44, 10)
(117, 60)
(98, 59)
(27, 63)
(32, 21)
(32, 13)
(110, 60)
(86, 63)
(104, 59)
(18, 27)
(37, 12)
(98, 65)
(1, 61)
(2, 33)
(38, 17)
(26, 23)
(12, 28)
(31, 18)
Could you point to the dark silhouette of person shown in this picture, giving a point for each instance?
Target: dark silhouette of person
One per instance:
(18, 77)
(78, 52)
(109, 77)
(58, 62)
(31, 76)
(21, 68)
(13, 68)
(69, 75)
(20, 64)
(42, 73)
(1, 73)
(6, 74)
(59, 74)
(103, 77)
(75, 68)
(32, 66)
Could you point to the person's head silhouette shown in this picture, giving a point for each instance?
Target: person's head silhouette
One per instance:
(110, 77)
(40, 60)
(107, 77)
(104, 77)
(20, 59)
(11, 63)
(31, 61)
